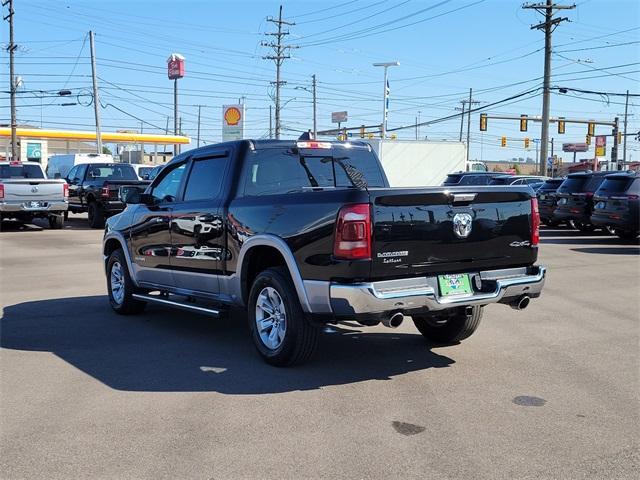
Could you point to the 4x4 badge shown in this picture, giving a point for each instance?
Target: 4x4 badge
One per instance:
(462, 224)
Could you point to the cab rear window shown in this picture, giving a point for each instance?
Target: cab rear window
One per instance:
(21, 171)
(452, 179)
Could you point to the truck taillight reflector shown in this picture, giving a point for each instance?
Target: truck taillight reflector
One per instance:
(353, 233)
(65, 190)
(535, 222)
(1, 191)
(105, 192)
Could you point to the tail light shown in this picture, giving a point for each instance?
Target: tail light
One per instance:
(105, 192)
(1, 191)
(65, 191)
(352, 240)
(535, 222)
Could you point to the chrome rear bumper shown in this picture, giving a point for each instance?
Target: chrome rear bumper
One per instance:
(423, 293)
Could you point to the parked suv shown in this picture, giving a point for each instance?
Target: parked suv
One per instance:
(617, 204)
(575, 199)
(547, 200)
(301, 234)
(470, 178)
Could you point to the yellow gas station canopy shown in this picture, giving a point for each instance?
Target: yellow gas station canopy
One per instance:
(116, 137)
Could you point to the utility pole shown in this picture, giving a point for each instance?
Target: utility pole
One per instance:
(270, 122)
(280, 55)
(315, 106)
(96, 98)
(549, 25)
(418, 125)
(624, 148)
(11, 48)
(198, 141)
(470, 103)
(614, 149)
(461, 119)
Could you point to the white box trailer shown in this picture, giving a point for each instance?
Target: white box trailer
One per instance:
(409, 163)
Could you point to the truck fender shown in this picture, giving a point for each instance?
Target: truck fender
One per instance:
(282, 247)
(112, 241)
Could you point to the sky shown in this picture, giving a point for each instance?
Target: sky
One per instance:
(445, 47)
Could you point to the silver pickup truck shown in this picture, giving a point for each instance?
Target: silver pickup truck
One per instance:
(25, 194)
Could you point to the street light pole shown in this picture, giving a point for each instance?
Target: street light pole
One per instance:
(315, 118)
(386, 65)
(96, 98)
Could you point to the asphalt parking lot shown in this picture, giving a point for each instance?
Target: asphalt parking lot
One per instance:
(549, 392)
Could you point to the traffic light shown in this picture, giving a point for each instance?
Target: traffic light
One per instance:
(588, 141)
(483, 122)
(591, 129)
(561, 125)
(523, 123)
(503, 142)
(526, 142)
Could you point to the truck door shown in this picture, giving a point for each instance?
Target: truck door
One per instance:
(151, 228)
(197, 225)
(74, 179)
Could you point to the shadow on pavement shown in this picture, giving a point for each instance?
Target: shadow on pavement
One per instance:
(74, 222)
(166, 350)
(610, 250)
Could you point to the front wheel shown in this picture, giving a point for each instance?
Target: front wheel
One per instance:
(279, 329)
(450, 326)
(120, 286)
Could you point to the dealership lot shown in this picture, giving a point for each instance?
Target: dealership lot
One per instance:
(549, 392)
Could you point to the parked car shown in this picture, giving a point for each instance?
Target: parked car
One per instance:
(547, 200)
(517, 180)
(26, 194)
(94, 188)
(305, 233)
(617, 204)
(143, 171)
(470, 178)
(58, 166)
(575, 199)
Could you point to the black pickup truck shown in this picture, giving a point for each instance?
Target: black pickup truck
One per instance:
(300, 234)
(94, 188)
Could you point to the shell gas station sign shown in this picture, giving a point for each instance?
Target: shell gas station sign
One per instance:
(232, 122)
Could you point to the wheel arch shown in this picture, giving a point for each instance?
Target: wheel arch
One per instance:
(264, 251)
(112, 242)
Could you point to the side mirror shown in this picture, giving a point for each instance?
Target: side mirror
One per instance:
(129, 195)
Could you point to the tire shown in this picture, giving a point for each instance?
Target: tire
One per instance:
(552, 223)
(56, 222)
(627, 234)
(290, 338)
(451, 329)
(583, 227)
(121, 298)
(95, 215)
(66, 214)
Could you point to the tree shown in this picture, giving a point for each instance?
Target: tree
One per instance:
(516, 167)
(106, 150)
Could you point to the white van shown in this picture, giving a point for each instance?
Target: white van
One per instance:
(59, 165)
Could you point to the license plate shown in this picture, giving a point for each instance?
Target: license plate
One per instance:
(34, 205)
(455, 284)
(542, 196)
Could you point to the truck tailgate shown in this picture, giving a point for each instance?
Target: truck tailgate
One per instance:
(414, 230)
(33, 189)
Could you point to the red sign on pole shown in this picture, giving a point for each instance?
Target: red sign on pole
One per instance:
(175, 66)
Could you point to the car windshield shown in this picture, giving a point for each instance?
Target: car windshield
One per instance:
(501, 181)
(144, 171)
(614, 185)
(112, 172)
(573, 184)
(21, 171)
(551, 184)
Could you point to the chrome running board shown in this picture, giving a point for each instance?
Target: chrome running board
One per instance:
(161, 300)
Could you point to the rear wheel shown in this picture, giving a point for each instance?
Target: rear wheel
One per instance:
(95, 215)
(279, 329)
(56, 222)
(449, 326)
(120, 286)
(583, 227)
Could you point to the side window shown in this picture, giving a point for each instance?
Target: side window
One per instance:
(80, 172)
(166, 189)
(205, 179)
(517, 182)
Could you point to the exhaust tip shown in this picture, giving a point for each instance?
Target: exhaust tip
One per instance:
(521, 303)
(394, 321)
